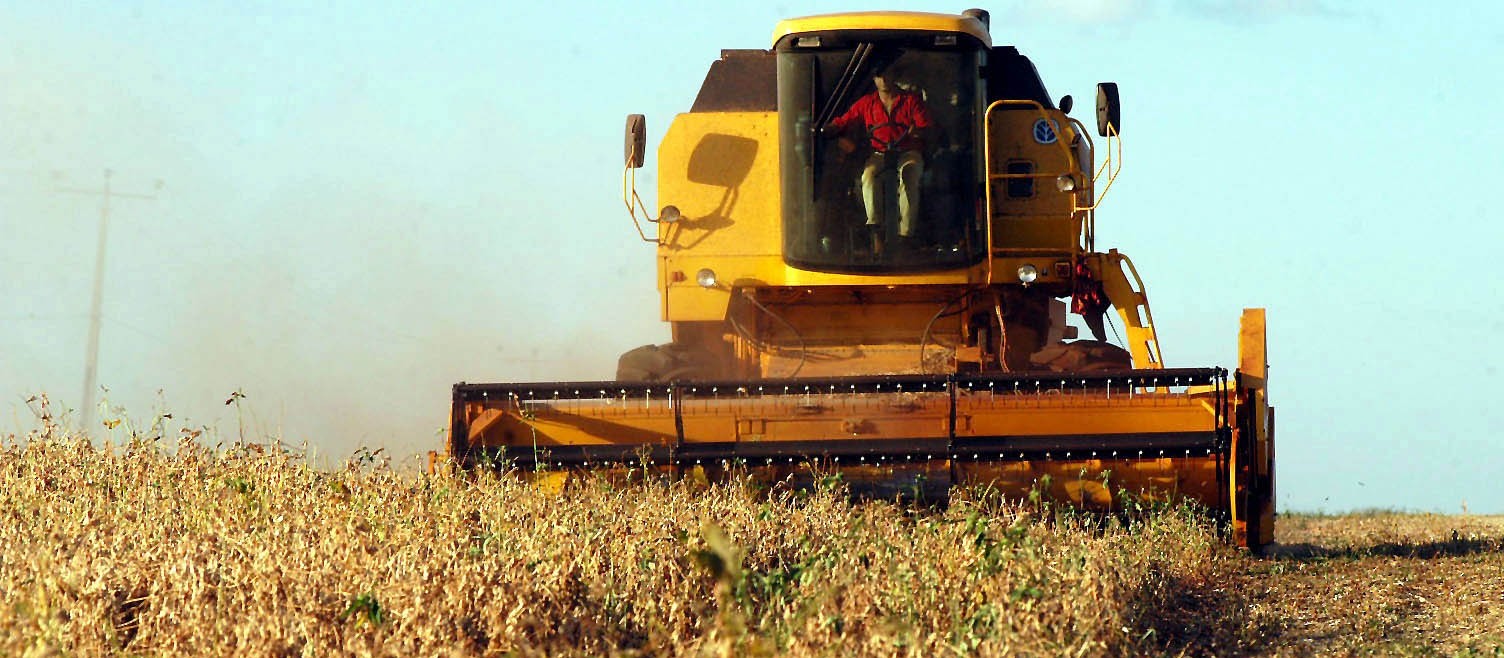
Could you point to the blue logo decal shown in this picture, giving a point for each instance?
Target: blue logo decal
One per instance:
(1045, 131)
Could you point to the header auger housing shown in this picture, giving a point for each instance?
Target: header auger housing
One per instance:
(871, 239)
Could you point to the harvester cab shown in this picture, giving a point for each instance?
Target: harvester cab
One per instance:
(871, 238)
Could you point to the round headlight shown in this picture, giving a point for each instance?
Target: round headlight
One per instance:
(1066, 183)
(1027, 274)
(706, 278)
(669, 214)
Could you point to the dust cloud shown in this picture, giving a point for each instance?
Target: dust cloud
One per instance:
(337, 262)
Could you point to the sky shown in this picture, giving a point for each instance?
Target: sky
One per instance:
(362, 203)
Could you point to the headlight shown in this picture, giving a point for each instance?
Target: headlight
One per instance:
(706, 278)
(1066, 183)
(669, 214)
(1027, 274)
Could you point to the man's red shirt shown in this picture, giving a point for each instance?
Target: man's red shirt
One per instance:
(909, 114)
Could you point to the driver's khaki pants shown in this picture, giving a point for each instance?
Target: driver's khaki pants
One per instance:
(910, 170)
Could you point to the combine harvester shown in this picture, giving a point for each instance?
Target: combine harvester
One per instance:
(869, 238)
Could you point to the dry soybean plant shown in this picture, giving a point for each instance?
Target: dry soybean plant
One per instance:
(156, 549)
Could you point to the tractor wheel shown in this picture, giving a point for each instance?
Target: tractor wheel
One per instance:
(663, 363)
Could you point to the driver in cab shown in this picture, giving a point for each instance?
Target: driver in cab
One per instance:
(895, 121)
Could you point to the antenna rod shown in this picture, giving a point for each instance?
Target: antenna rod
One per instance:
(91, 358)
(96, 303)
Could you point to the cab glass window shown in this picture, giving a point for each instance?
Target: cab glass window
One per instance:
(880, 169)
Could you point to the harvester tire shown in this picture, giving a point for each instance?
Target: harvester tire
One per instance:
(662, 363)
(1081, 356)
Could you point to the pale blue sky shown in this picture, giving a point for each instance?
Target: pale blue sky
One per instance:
(367, 202)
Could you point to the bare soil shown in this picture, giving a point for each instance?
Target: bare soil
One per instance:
(1372, 583)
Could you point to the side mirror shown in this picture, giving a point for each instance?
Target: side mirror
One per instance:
(637, 132)
(1066, 103)
(1109, 111)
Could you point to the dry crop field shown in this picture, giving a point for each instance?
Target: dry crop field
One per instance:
(159, 548)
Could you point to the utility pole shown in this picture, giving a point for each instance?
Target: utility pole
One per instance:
(91, 358)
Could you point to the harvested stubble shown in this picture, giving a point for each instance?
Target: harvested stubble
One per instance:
(1380, 583)
(138, 550)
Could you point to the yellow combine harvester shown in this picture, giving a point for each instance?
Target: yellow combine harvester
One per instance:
(869, 239)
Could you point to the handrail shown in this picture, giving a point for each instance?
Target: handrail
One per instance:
(987, 188)
(1089, 221)
(634, 202)
(1107, 164)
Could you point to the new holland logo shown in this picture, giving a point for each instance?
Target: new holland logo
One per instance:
(1045, 131)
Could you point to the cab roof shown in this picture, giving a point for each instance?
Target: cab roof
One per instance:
(883, 20)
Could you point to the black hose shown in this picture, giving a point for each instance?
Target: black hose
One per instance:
(803, 350)
(924, 338)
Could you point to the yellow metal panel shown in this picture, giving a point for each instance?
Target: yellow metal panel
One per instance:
(482, 423)
(1067, 415)
(883, 20)
(1052, 234)
(1253, 517)
(721, 170)
(1253, 348)
(799, 418)
(1006, 268)
(863, 359)
(550, 482)
(593, 422)
(688, 302)
(792, 276)
(1099, 484)
(1012, 139)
